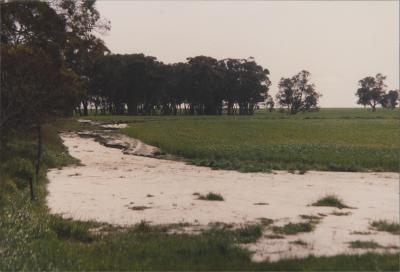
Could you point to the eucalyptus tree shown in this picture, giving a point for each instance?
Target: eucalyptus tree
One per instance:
(206, 78)
(297, 93)
(371, 90)
(253, 86)
(245, 83)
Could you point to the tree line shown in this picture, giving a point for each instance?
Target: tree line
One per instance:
(138, 84)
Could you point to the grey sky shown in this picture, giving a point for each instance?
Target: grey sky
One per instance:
(338, 42)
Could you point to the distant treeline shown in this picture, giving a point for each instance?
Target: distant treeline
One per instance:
(137, 84)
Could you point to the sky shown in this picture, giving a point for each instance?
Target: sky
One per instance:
(339, 42)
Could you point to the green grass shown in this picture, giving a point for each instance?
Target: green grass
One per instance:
(364, 244)
(330, 201)
(383, 225)
(340, 213)
(32, 239)
(294, 228)
(299, 242)
(332, 139)
(211, 197)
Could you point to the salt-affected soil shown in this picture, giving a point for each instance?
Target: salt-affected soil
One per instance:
(125, 189)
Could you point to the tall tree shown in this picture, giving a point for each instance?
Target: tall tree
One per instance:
(205, 76)
(371, 90)
(245, 83)
(82, 47)
(297, 93)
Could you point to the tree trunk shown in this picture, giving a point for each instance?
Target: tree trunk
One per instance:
(39, 152)
(373, 105)
(132, 108)
(85, 108)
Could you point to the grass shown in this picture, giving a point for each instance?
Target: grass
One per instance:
(364, 244)
(211, 197)
(139, 208)
(299, 242)
(265, 221)
(340, 213)
(32, 239)
(330, 201)
(260, 203)
(294, 228)
(315, 218)
(332, 139)
(383, 225)
(361, 232)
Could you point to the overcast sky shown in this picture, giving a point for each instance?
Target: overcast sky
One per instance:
(338, 42)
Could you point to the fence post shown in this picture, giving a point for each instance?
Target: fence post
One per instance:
(31, 188)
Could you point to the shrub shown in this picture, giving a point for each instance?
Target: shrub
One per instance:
(212, 197)
(330, 201)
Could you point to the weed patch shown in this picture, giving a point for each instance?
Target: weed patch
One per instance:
(211, 197)
(383, 225)
(293, 228)
(299, 242)
(364, 244)
(330, 201)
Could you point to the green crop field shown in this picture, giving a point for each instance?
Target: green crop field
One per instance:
(33, 239)
(332, 139)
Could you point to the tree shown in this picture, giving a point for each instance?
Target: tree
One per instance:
(205, 76)
(371, 90)
(246, 84)
(389, 100)
(297, 93)
(82, 48)
(35, 89)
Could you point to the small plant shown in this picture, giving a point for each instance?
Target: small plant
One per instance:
(364, 244)
(211, 197)
(142, 227)
(294, 228)
(139, 208)
(361, 232)
(340, 213)
(261, 203)
(299, 242)
(266, 221)
(330, 201)
(310, 217)
(302, 171)
(248, 234)
(275, 236)
(68, 229)
(383, 225)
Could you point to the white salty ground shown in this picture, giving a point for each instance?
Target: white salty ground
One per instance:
(111, 183)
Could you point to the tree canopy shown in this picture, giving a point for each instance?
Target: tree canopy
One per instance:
(372, 92)
(139, 84)
(297, 93)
